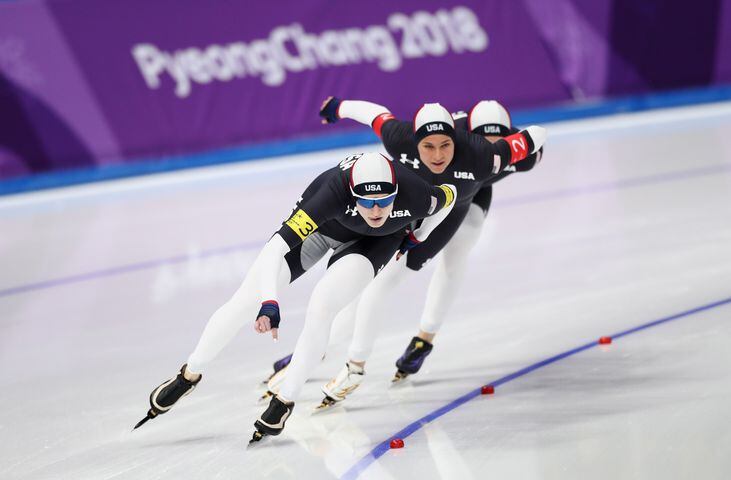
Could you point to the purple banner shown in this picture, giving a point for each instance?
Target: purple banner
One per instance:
(87, 82)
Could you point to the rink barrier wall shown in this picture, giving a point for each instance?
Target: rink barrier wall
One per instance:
(146, 166)
(85, 83)
(383, 447)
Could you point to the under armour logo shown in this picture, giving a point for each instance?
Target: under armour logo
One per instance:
(414, 163)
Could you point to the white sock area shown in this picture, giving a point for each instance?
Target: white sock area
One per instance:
(371, 307)
(226, 322)
(450, 271)
(352, 368)
(342, 283)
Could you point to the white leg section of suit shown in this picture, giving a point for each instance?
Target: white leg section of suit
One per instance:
(342, 329)
(226, 322)
(370, 311)
(450, 270)
(340, 334)
(443, 287)
(342, 283)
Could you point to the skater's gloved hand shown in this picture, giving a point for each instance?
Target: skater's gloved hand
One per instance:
(268, 318)
(529, 162)
(409, 242)
(329, 110)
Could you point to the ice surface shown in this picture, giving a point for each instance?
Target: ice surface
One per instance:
(104, 290)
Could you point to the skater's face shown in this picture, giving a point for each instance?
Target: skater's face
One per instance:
(492, 138)
(376, 216)
(436, 151)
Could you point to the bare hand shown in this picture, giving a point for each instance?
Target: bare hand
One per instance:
(263, 325)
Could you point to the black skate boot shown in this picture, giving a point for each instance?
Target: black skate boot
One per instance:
(271, 422)
(410, 362)
(166, 395)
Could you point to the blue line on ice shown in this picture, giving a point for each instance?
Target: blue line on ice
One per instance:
(383, 447)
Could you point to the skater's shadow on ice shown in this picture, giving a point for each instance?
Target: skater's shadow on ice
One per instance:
(199, 439)
(371, 405)
(223, 438)
(436, 380)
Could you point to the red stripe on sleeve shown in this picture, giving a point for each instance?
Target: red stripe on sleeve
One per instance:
(379, 121)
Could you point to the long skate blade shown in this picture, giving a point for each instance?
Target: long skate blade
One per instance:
(326, 404)
(399, 377)
(256, 438)
(144, 420)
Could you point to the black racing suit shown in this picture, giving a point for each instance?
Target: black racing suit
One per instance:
(325, 218)
(472, 170)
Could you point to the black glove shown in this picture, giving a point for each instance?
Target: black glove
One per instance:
(270, 309)
(409, 242)
(529, 162)
(330, 111)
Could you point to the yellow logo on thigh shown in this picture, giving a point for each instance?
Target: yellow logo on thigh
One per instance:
(301, 224)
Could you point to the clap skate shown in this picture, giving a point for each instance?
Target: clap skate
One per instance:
(337, 389)
(410, 362)
(166, 395)
(272, 421)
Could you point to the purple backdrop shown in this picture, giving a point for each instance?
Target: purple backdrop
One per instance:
(86, 82)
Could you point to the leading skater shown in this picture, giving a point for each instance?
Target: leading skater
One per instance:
(351, 209)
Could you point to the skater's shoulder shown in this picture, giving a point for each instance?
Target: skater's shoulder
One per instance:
(468, 143)
(398, 133)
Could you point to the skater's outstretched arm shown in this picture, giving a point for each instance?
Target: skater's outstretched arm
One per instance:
(495, 158)
(396, 135)
(316, 206)
(271, 258)
(333, 109)
(492, 125)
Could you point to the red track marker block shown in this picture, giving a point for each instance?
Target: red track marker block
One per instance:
(605, 340)
(397, 443)
(488, 390)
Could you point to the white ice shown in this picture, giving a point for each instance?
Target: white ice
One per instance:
(627, 220)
